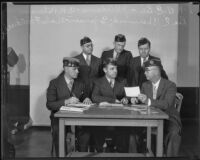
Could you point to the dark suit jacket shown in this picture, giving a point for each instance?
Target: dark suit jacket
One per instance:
(104, 93)
(137, 76)
(165, 99)
(58, 91)
(89, 73)
(123, 62)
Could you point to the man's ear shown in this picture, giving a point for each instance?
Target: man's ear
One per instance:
(114, 43)
(104, 69)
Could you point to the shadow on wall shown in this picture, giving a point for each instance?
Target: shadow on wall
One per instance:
(41, 114)
(21, 65)
(106, 49)
(185, 47)
(73, 54)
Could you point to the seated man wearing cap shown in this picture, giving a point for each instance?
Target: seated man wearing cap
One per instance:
(109, 89)
(161, 93)
(64, 90)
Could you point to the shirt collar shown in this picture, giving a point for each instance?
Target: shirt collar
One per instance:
(68, 80)
(110, 79)
(85, 56)
(143, 59)
(157, 83)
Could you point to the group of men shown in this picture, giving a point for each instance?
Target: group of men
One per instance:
(89, 79)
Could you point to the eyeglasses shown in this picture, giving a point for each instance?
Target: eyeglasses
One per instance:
(148, 70)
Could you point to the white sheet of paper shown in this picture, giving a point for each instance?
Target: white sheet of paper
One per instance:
(132, 91)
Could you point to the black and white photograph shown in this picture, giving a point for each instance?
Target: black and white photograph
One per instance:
(100, 80)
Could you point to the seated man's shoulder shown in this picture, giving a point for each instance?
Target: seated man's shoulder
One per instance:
(99, 81)
(97, 59)
(153, 57)
(169, 82)
(57, 79)
(127, 52)
(121, 81)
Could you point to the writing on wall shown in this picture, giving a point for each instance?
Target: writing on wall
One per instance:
(158, 15)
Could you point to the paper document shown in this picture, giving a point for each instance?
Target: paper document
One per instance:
(80, 105)
(102, 104)
(132, 91)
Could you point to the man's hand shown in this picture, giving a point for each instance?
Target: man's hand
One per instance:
(143, 98)
(71, 100)
(124, 100)
(117, 101)
(134, 100)
(87, 101)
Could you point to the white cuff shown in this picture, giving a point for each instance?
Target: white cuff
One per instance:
(149, 102)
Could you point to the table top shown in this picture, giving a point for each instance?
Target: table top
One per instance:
(110, 112)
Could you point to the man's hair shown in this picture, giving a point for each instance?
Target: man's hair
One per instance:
(85, 40)
(108, 61)
(120, 38)
(143, 41)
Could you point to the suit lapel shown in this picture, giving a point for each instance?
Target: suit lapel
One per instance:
(63, 84)
(108, 87)
(160, 88)
(82, 59)
(150, 90)
(92, 61)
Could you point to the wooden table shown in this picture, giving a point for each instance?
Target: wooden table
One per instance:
(113, 116)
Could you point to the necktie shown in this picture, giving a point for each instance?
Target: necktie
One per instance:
(88, 60)
(116, 56)
(111, 83)
(154, 92)
(144, 60)
(70, 85)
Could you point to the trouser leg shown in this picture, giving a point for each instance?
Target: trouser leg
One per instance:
(83, 137)
(172, 139)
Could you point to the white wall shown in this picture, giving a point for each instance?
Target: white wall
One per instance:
(52, 39)
(56, 30)
(188, 46)
(18, 38)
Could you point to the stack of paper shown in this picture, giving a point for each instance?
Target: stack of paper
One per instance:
(106, 104)
(79, 107)
(72, 109)
(132, 91)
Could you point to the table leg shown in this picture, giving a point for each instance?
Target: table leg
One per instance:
(73, 137)
(61, 138)
(149, 139)
(159, 145)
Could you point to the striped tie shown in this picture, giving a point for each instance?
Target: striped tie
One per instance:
(154, 92)
(70, 85)
(111, 83)
(88, 60)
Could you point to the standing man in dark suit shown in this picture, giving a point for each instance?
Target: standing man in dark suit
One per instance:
(122, 56)
(89, 70)
(161, 93)
(109, 89)
(64, 90)
(136, 65)
(89, 64)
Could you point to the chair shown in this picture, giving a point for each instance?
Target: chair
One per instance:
(70, 140)
(178, 103)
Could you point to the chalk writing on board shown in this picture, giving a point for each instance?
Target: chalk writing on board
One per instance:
(157, 15)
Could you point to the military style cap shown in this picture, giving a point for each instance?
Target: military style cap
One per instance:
(153, 62)
(85, 40)
(70, 62)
